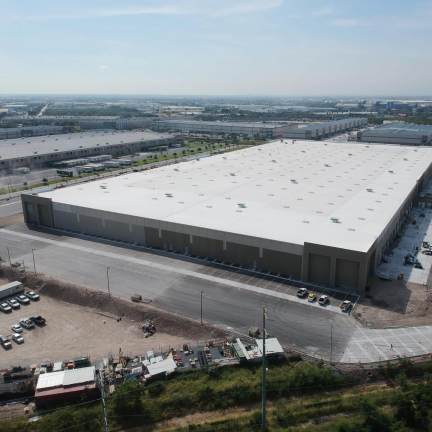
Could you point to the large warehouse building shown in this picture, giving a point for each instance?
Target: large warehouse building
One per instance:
(264, 130)
(325, 129)
(29, 131)
(251, 129)
(398, 133)
(314, 211)
(40, 151)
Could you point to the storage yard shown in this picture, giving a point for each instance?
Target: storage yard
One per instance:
(327, 222)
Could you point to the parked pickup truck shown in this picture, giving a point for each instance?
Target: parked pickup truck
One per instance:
(27, 323)
(38, 320)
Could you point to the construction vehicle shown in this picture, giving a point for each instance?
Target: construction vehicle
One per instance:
(148, 328)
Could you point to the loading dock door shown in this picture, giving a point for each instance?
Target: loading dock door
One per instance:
(347, 274)
(319, 269)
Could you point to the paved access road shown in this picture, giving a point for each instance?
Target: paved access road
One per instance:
(230, 300)
(10, 208)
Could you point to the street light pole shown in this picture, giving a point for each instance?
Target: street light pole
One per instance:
(108, 281)
(8, 252)
(201, 314)
(264, 374)
(34, 262)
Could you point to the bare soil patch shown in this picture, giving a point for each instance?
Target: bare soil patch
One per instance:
(395, 303)
(85, 322)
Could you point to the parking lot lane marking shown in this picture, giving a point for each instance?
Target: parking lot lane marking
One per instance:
(398, 336)
(172, 269)
(415, 342)
(381, 353)
(426, 339)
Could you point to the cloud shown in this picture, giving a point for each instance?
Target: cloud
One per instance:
(211, 8)
(324, 11)
(350, 22)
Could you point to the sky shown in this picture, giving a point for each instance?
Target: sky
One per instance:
(217, 47)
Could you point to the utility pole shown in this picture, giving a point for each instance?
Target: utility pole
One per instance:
(108, 281)
(202, 292)
(8, 252)
(102, 389)
(331, 343)
(264, 374)
(34, 262)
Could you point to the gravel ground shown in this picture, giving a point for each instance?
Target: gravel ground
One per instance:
(73, 331)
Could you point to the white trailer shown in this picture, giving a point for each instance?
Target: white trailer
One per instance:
(11, 289)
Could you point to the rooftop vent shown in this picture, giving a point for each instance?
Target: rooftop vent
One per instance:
(391, 171)
(327, 165)
(335, 220)
(242, 205)
(232, 174)
(294, 181)
(369, 189)
(169, 195)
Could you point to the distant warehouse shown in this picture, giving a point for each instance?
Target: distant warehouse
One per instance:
(319, 212)
(325, 129)
(398, 133)
(251, 129)
(29, 131)
(46, 150)
(262, 130)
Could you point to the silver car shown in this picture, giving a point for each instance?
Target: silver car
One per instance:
(16, 328)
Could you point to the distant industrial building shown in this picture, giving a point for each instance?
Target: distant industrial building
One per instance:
(398, 133)
(262, 130)
(30, 131)
(46, 150)
(314, 131)
(83, 122)
(251, 129)
(319, 212)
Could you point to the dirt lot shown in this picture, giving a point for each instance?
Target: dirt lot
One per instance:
(74, 330)
(395, 303)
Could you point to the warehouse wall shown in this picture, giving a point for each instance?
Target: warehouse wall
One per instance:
(37, 210)
(338, 268)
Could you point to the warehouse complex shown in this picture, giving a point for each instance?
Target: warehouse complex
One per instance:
(262, 130)
(42, 151)
(319, 212)
(398, 133)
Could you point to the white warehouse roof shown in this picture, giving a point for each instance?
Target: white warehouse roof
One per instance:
(334, 194)
(42, 145)
(66, 377)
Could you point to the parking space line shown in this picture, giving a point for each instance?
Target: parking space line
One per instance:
(415, 342)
